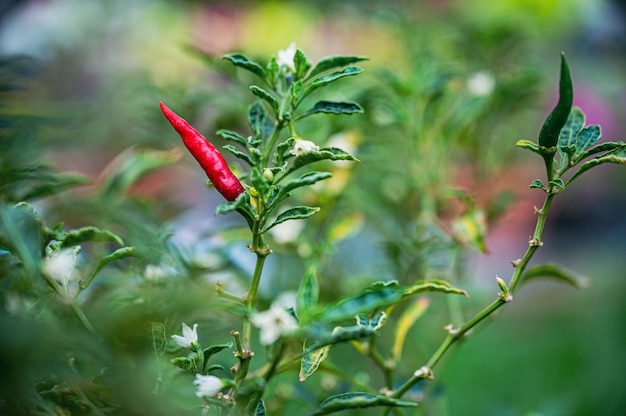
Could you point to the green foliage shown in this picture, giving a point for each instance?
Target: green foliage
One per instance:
(357, 400)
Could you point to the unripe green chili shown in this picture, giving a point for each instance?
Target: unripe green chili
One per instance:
(207, 156)
(549, 135)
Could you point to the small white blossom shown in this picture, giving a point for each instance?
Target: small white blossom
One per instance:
(303, 146)
(285, 57)
(190, 336)
(60, 264)
(207, 386)
(273, 323)
(481, 84)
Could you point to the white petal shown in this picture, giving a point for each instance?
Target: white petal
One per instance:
(207, 386)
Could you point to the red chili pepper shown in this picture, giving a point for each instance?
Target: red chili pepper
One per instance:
(207, 156)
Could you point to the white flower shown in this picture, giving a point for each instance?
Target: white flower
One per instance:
(285, 57)
(273, 323)
(303, 146)
(481, 84)
(190, 336)
(60, 264)
(208, 386)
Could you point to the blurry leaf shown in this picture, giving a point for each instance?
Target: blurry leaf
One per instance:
(308, 294)
(345, 226)
(159, 340)
(536, 184)
(53, 184)
(214, 349)
(295, 92)
(617, 156)
(328, 153)
(340, 335)
(587, 137)
(375, 323)
(186, 364)
(412, 313)
(271, 72)
(130, 166)
(553, 271)
(116, 255)
(301, 64)
(239, 154)
(549, 134)
(21, 233)
(327, 79)
(79, 236)
(471, 228)
(260, 409)
(357, 400)
(333, 107)
(233, 136)
(269, 98)
(373, 298)
(295, 213)
(333, 62)
(243, 62)
(312, 360)
(213, 367)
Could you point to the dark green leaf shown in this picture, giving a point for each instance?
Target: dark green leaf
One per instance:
(327, 79)
(295, 92)
(340, 335)
(373, 298)
(617, 156)
(239, 154)
(549, 135)
(53, 184)
(269, 98)
(553, 271)
(259, 122)
(260, 409)
(603, 147)
(260, 183)
(294, 213)
(575, 122)
(333, 62)
(214, 349)
(308, 294)
(332, 107)
(214, 367)
(357, 400)
(301, 64)
(271, 71)
(241, 205)
(422, 286)
(536, 184)
(119, 254)
(232, 136)
(283, 148)
(304, 180)
(243, 62)
(327, 153)
(375, 323)
(79, 236)
(587, 137)
(185, 363)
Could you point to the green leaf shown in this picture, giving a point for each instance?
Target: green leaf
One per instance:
(549, 135)
(333, 62)
(245, 63)
(536, 184)
(271, 72)
(304, 180)
(185, 363)
(375, 297)
(53, 184)
(527, 144)
(311, 360)
(607, 147)
(301, 64)
(232, 136)
(259, 122)
(434, 285)
(260, 183)
(357, 400)
(327, 79)
(375, 323)
(90, 233)
(327, 153)
(241, 205)
(332, 107)
(575, 122)
(239, 154)
(281, 149)
(295, 213)
(410, 315)
(269, 98)
(119, 254)
(340, 335)
(553, 271)
(617, 156)
(260, 409)
(587, 137)
(308, 294)
(214, 349)
(295, 93)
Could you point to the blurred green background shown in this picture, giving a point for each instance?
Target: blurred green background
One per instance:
(81, 82)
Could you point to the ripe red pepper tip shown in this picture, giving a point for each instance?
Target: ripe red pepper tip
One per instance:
(206, 155)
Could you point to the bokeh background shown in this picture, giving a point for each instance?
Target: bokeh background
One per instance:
(85, 79)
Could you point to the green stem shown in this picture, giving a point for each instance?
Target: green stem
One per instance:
(380, 362)
(457, 334)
